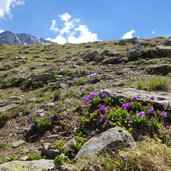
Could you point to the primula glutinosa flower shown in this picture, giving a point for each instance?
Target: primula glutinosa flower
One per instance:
(141, 114)
(126, 106)
(165, 106)
(153, 98)
(150, 111)
(103, 108)
(134, 98)
(164, 115)
(102, 117)
(89, 97)
(102, 94)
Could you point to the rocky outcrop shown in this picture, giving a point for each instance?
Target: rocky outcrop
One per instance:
(107, 56)
(124, 42)
(159, 69)
(111, 140)
(156, 98)
(93, 56)
(167, 42)
(136, 52)
(35, 165)
(162, 51)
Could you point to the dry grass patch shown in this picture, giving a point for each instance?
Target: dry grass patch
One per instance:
(149, 155)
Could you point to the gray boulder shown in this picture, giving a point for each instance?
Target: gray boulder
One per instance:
(136, 52)
(124, 42)
(8, 107)
(167, 42)
(111, 56)
(162, 69)
(35, 165)
(111, 140)
(93, 56)
(3, 103)
(42, 76)
(162, 51)
(15, 99)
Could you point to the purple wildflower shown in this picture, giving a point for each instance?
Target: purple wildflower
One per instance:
(89, 97)
(165, 106)
(122, 62)
(103, 108)
(141, 114)
(102, 94)
(30, 118)
(164, 115)
(85, 101)
(33, 125)
(125, 159)
(126, 106)
(81, 88)
(102, 117)
(150, 111)
(153, 98)
(134, 98)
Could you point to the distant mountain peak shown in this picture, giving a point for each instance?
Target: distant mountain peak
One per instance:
(8, 37)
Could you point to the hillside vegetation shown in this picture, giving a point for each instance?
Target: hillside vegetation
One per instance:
(54, 98)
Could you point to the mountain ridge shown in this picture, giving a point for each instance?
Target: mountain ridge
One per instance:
(8, 37)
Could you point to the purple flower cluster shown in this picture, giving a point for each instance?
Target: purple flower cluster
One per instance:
(164, 115)
(103, 108)
(150, 111)
(126, 106)
(102, 95)
(153, 98)
(165, 106)
(102, 117)
(89, 97)
(141, 114)
(30, 118)
(134, 98)
(122, 62)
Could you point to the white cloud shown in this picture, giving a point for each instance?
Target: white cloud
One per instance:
(129, 34)
(65, 17)
(153, 32)
(84, 36)
(59, 39)
(7, 5)
(72, 31)
(54, 26)
(1, 30)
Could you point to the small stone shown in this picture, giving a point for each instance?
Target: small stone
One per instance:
(24, 158)
(17, 143)
(64, 86)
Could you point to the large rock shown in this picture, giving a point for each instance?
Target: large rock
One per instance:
(93, 56)
(35, 165)
(3, 103)
(156, 98)
(124, 42)
(111, 56)
(15, 99)
(136, 52)
(162, 51)
(111, 140)
(159, 69)
(167, 42)
(8, 107)
(42, 77)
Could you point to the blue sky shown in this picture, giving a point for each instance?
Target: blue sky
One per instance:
(81, 21)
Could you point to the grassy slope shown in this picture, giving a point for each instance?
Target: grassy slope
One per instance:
(61, 61)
